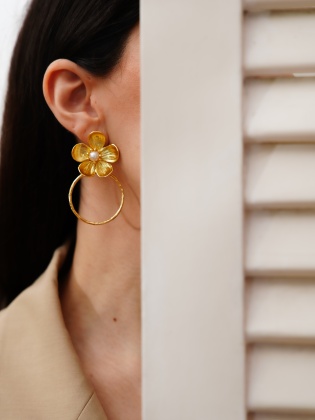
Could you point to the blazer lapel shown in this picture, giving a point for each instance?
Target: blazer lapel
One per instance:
(40, 374)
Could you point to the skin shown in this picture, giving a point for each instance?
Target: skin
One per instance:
(101, 297)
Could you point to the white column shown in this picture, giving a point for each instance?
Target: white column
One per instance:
(193, 347)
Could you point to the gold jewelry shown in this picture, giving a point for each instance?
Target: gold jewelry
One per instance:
(95, 159)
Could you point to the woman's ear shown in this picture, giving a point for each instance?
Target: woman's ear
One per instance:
(68, 91)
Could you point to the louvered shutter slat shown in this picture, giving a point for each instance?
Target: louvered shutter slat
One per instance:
(282, 378)
(280, 243)
(279, 43)
(280, 310)
(280, 176)
(262, 416)
(279, 110)
(258, 5)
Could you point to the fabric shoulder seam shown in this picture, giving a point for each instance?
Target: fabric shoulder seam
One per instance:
(85, 405)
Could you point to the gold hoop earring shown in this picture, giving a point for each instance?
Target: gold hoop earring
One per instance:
(95, 159)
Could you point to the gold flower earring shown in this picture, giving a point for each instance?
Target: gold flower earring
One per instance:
(95, 159)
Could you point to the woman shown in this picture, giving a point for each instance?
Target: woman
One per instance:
(70, 341)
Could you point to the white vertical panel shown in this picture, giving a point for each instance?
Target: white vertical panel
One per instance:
(193, 346)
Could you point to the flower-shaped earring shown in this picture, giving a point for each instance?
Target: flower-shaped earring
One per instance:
(95, 159)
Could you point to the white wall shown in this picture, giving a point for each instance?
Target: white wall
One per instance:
(11, 17)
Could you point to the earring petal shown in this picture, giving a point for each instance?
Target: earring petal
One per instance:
(103, 168)
(80, 152)
(87, 168)
(110, 153)
(97, 140)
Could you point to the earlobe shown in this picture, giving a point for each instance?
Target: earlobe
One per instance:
(67, 91)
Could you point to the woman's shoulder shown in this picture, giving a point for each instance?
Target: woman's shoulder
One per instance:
(41, 375)
(27, 311)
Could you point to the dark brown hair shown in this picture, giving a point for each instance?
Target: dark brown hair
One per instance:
(36, 168)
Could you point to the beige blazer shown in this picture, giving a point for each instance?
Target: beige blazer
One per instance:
(40, 374)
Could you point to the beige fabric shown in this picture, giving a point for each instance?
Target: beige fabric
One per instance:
(40, 374)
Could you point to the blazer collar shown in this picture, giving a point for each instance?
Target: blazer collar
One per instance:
(40, 373)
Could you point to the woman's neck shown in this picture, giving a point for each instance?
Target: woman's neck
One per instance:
(101, 298)
(105, 274)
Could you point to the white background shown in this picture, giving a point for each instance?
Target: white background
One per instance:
(11, 17)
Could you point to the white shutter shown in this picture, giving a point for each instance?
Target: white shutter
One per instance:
(279, 157)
